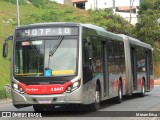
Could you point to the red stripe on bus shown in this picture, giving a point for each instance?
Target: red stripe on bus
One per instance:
(151, 83)
(139, 83)
(115, 85)
(124, 84)
(45, 89)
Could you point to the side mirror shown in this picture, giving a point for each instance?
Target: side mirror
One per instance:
(5, 50)
(8, 38)
(5, 46)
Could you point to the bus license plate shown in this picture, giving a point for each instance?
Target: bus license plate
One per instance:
(44, 101)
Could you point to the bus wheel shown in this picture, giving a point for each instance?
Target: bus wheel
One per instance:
(120, 92)
(142, 94)
(96, 105)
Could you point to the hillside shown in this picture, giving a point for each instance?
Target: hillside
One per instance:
(45, 11)
(28, 14)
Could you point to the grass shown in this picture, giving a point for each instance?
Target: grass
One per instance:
(6, 29)
(7, 26)
(4, 94)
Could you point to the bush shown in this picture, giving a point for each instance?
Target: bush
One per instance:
(4, 94)
(21, 2)
(38, 3)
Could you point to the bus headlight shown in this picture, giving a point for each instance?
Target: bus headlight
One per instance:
(73, 86)
(76, 84)
(17, 88)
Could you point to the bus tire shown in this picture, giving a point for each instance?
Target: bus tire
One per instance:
(96, 105)
(120, 92)
(142, 94)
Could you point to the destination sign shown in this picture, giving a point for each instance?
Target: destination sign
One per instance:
(60, 31)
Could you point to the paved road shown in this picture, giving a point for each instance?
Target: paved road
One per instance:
(151, 103)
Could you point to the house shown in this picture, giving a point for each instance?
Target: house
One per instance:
(66, 2)
(124, 11)
(96, 4)
(79, 3)
(90, 4)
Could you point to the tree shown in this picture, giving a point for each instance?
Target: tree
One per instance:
(147, 29)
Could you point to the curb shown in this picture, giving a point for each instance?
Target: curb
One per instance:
(3, 101)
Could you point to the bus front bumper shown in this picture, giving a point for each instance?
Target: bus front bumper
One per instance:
(74, 97)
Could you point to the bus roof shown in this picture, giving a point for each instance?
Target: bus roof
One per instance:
(101, 31)
(136, 41)
(63, 24)
(49, 24)
(94, 27)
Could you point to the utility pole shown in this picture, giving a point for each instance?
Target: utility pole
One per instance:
(113, 6)
(97, 4)
(18, 16)
(131, 5)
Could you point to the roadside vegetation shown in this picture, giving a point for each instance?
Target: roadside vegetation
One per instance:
(148, 28)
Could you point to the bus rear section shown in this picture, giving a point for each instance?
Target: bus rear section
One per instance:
(45, 69)
(139, 65)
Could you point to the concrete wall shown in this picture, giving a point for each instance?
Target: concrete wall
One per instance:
(126, 16)
(58, 1)
(96, 4)
(68, 2)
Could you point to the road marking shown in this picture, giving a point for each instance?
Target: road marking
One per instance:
(156, 85)
(154, 118)
(5, 101)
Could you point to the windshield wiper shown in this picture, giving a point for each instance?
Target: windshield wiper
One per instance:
(51, 52)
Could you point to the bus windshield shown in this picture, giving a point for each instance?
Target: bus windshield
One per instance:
(46, 57)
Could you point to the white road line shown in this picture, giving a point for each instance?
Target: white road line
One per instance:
(154, 118)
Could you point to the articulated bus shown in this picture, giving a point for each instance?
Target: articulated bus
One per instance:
(56, 64)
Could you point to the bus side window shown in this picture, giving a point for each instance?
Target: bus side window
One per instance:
(87, 63)
(110, 56)
(87, 51)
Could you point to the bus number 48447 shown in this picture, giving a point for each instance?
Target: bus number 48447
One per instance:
(57, 89)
